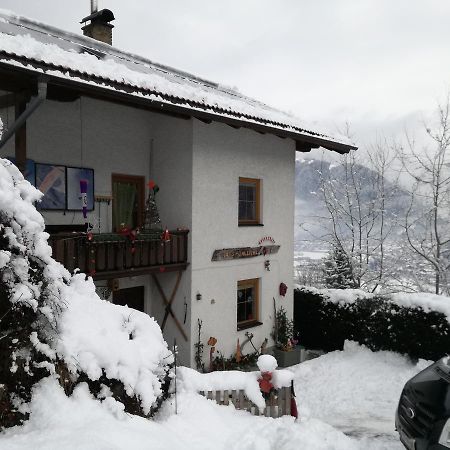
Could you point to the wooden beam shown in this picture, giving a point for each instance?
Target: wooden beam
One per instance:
(134, 272)
(168, 305)
(170, 301)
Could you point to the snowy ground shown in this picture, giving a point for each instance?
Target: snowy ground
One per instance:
(346, 400)
(357, 392)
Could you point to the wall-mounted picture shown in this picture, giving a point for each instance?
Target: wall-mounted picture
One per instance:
(51, 181)
(30, 170)
(79, 179)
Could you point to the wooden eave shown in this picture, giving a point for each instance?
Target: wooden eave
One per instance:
(21, 78)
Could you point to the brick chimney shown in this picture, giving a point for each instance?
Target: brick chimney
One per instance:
(98, 26)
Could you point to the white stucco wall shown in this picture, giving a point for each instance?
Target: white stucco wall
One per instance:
(222, 154)
(197, 167)
(112, 138)
(171, 166)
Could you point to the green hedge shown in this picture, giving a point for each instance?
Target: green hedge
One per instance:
(376, 322)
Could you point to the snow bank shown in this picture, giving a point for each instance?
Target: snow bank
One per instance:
(356, 390)
(79, 422)
(89, 334)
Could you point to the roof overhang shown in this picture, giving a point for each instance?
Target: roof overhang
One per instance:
(19, 74)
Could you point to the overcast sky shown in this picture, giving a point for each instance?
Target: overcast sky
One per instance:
(381, 65)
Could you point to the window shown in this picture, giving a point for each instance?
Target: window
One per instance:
(247, 303)
(249, 201)
(128, 201)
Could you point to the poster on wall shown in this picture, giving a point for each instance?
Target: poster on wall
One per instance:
(30, 171)
(51, 181)
(74, 176)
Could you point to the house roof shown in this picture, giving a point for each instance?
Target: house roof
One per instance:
(67, 59)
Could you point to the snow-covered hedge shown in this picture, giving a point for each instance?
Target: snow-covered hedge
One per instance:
(53, 324)
(413, 324)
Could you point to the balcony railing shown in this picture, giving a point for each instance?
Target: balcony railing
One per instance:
(110, 255)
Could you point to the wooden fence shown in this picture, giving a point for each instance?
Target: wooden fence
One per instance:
(277, 405)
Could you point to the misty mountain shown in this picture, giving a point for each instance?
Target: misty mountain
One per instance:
(309, 198)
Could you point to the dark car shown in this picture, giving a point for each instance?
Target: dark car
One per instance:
(423, 412)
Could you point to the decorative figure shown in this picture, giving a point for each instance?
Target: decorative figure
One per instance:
(266, 364)
(238, 352)
(212, 341)
(283, 289)
(151, 214)
(267, 265)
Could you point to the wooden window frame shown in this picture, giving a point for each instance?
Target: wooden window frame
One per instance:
(139, 181)
(257, 220)
(255, 284)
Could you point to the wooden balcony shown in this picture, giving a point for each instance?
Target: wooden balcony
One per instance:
(108, 255)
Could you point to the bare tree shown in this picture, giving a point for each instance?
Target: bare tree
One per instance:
(359, 221)
(427, 219)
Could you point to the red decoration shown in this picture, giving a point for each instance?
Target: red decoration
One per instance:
(124, 231)
(165, 236)
(283, 289)
(90, 236)
(151, 184)
(265, 383)
(294, 410)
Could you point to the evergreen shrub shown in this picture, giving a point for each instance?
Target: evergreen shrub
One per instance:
(376, 322)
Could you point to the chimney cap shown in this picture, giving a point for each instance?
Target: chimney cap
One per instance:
(105, 15)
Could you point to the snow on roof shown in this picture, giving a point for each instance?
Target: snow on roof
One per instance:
(42, 48)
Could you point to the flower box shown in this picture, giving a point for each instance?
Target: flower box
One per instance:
(288, 358)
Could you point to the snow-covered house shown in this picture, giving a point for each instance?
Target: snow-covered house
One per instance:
(224, 164)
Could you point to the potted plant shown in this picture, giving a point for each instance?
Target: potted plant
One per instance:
(286, 351)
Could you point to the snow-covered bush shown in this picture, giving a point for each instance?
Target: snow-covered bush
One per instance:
(414, 324)
(54, 324)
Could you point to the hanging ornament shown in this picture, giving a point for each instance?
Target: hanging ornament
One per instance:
(83, 191)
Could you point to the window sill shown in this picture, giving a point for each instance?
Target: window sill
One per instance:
(250, 224)
(246, 325)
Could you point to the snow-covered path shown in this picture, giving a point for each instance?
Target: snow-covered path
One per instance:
(356, 391)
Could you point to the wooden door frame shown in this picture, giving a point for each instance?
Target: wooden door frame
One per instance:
(139, 181)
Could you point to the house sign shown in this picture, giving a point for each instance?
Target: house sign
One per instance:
(226, 254)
